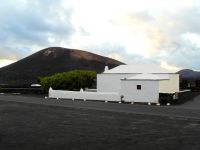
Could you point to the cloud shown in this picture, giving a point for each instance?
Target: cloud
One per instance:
(4, 62)
(182, 46)
(156, 31)
(169, 67)
(28, 24)
(133, 32)
(172, 36)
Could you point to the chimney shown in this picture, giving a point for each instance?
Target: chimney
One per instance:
(106, 68)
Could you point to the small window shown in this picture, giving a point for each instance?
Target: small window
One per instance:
(139, 87)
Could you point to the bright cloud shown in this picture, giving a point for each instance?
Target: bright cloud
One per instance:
(4, 62)
(169, 67)
(193, 38)
(129, 30)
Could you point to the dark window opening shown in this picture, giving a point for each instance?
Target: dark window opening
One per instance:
(139, 87)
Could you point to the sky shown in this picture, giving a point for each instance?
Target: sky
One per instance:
(163, 32)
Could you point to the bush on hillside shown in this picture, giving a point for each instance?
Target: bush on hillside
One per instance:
(72, 80)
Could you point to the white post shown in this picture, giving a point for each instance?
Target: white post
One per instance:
(50, 91)
(168, 104)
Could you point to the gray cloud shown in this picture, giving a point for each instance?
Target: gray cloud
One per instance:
(14, 53)
(178, 51)
(33, 23)
(187, 20)
(108, 49)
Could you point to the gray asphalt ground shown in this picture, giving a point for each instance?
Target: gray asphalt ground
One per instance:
(190, 109)
(31, 122)
(193, 104)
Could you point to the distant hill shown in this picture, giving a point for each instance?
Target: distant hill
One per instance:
(189, 74)
(50, 61)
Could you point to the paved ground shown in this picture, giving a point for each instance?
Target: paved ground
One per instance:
(25, 126)
(188, 110)
(192, 104)
(35, 123)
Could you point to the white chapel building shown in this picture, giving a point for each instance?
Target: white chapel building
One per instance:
(139, 82)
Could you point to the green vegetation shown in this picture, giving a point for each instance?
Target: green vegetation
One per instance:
(72, 80)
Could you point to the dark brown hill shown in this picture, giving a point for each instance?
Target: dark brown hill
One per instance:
(189, 74)
(50, 61)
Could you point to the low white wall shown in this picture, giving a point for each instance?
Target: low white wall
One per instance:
(101, 96)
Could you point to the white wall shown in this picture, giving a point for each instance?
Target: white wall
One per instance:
(101, 96)
(110, 82)
(149, 91)
(169, 86)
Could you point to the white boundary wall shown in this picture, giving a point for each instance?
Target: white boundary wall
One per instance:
(96, 96)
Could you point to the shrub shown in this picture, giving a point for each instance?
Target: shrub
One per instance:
(72, 80)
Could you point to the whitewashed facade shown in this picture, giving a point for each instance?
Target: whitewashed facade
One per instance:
(110, 80)
(149, 91)
(142, 88)
(124, 80)
(171, 85)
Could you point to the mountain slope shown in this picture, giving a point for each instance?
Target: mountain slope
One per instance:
(50, 61)
(189, 74)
